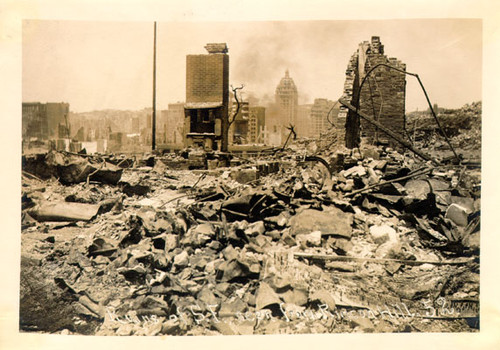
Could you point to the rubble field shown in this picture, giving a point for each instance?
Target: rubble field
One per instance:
(309, 239)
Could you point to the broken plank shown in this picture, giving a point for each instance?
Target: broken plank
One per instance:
(65, 211)
(377, 260)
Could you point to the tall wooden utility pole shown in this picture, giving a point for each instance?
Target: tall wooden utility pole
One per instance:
(153, 143)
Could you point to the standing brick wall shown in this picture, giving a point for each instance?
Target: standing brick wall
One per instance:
(207, 78)
(346, 119)
(382, 96)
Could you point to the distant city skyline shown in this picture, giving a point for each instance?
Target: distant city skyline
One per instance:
(108, 65)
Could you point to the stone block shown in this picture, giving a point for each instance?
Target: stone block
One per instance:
(355, 171)
(323, 297)
(382, 233)
(296, 296)
(182, 259)
(244, 176)
(312, 239)
(457, 214)
(255, 229)
(266, 296)
(331, 221)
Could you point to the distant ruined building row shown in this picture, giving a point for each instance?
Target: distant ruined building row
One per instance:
(203, 118)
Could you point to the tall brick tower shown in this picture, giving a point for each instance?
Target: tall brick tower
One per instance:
(382, 96)
(207, 98)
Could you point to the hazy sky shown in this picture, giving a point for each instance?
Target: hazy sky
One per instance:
(99, 65)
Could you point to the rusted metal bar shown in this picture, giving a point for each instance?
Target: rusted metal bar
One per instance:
(389, 132)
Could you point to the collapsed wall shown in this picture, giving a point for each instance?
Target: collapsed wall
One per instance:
(382, 96)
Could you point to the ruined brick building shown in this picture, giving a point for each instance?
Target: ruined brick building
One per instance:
(319, 116)
(256, 124)
(207, 97)
(172, 123)
(303, 127)
(382, 96)
(238, 131)
(44, 120)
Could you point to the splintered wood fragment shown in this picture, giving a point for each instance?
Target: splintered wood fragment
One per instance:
(218, 223)
(92, 174)
(235, 213)
(26, 174)
(225, 229)
(377, 260)
(34, 189)
(173, 199)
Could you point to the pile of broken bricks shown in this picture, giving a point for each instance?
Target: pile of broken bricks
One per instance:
(372, 244)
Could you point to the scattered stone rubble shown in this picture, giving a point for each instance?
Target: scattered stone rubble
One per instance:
(463, 124)
(279, 243)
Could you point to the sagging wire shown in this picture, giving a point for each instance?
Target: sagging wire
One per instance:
(377, 117)
(330, 111)
(373, 108)
(426, 97)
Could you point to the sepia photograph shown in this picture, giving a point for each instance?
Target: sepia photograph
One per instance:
(250, 178)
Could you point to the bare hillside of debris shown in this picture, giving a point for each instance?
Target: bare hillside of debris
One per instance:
(463, 125)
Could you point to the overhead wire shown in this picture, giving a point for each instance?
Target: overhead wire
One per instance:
(330, 111)
(426, 96)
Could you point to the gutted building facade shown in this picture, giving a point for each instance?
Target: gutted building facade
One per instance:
(321, 116)
(256, 124)
(42, 120)
(238, 131)
(303, 127)
(382, 96)
(172, 123)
